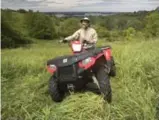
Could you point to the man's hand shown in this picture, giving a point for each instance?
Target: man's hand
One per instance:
(86, 42)
(60, 41)
(63, 41)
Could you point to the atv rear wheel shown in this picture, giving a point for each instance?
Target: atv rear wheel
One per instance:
(54, 90)
(113, 68)
(104, 83)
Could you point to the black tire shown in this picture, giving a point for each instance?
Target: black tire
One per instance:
(54, 90)
(104, 83)
(113, 68)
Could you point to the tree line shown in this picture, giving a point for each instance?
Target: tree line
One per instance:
(21, 26)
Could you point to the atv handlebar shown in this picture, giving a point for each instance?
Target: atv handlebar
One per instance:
(65, 41)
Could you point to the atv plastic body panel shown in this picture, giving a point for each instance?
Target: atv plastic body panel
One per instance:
(68, 68)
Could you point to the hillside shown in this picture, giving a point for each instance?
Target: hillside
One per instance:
(32, 39)
(36, 25)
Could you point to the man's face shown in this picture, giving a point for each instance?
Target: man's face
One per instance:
(85, 24)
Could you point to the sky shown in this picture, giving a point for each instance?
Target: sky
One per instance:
(82, 5)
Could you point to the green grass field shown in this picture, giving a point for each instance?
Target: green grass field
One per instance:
(135, 88)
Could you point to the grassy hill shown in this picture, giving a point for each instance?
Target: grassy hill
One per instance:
(135, 88)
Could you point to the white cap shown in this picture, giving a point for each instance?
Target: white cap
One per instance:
(85, 19)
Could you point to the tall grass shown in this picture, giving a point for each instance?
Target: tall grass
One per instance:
(135, 88)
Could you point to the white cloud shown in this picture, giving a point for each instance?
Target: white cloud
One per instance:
(67, 4)
(81, 5)
(120, 5)
(89, 2)
(34, 0)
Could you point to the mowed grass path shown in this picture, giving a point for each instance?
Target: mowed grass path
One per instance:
(135, 88)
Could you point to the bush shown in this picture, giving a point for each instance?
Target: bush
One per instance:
(129, 33)
(114, 36)
(22, 11)
(11, 38)
(152, 25)
(102, 31)
(40, 26)
(68, 27)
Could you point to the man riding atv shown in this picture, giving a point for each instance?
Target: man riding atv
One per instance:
(85, 33)
(86, 65)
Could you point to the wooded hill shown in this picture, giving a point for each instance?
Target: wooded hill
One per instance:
(21, 26)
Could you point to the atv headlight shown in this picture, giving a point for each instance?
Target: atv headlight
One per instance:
(52, 66)
(86, 61)
(77, 47)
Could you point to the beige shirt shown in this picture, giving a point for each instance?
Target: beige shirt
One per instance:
(89, 34)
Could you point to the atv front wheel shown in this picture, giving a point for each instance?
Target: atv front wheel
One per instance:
(54, 90)
(104, 83)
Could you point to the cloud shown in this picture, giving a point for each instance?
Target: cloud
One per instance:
(81, 5)
(16, 4)
(120, 5)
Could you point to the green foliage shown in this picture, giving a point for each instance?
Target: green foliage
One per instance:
(102, 31)
(9, 36)
(129, 33)
(117, 27)
(123, 21)
(135, 88)
(114, 36)
(40, 26)
(68, 27)
(110, 23)
(136, 24)
(152, 24)
(22, 11)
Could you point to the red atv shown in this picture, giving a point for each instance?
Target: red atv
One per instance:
(74, 72)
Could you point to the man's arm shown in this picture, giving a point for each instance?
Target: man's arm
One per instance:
(74, 36)
(94, 37)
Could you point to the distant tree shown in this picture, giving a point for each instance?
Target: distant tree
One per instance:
(136, 24)
(157, 9)
(31, 11)
(40, 26)
(7, 15)
(152, 24)
(102, 31)
(68, 27)
(22, 11)
(10, 37)
(110, 23)
(9, 10)
(121, 24)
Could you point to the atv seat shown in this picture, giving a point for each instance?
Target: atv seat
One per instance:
(105, 47)
(98, 50)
